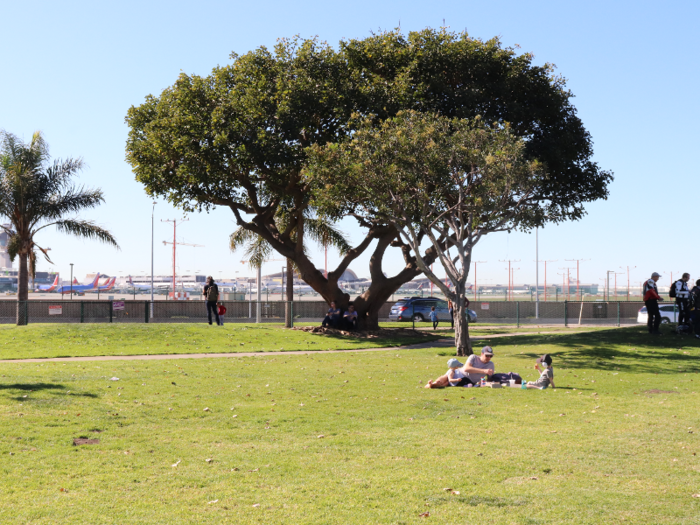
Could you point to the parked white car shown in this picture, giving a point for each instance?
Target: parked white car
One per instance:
(668, 314)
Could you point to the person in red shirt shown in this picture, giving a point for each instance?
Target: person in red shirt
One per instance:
(222, 312)
(651, 300)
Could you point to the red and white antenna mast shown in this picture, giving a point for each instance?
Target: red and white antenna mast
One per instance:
(175, 243)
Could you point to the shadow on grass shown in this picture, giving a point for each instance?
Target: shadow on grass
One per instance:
(619, 349)
(35, 387)
(31, 386)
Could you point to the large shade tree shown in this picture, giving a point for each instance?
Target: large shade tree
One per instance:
(238, 138)
(442, 182)
(36, 194)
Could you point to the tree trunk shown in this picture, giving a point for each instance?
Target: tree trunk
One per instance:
(22, 289)
(462, 341)
(290, 295)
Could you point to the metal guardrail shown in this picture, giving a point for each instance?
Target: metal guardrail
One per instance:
(139, 311)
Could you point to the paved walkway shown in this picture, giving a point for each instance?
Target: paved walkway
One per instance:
(439, 343)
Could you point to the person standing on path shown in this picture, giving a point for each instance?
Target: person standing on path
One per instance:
(451, 309)
(651, 300)
(211, 295)
(434, 317)
(682, 294)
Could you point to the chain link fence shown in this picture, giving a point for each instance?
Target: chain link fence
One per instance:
(567, 313)
(494, 312)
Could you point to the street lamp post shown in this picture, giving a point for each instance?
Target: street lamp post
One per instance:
(537, 273)
(258, 312)
(284, 270)
(153, 212)
(71, 281)
(607, 278)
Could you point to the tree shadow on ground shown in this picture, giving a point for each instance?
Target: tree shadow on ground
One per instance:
(32, 386)
(620, 349)
(36, 387)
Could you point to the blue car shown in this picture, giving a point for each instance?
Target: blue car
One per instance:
(418, 309)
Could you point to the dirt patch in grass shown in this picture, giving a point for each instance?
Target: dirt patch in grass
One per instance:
(85, 441)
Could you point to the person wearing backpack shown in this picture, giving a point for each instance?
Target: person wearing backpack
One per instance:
(680, 292)
(651, 300)
(211, 295)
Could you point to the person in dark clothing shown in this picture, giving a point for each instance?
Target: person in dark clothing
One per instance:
(211, 295)
(451, 309)
(683, 299)
(695, 308)
(350, 318)
(332, 318)
(651, 300)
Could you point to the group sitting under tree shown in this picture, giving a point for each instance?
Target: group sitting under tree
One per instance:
(335, 318)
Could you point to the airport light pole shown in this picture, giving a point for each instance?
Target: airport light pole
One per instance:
(71, 281)
(577, 274)
(628, 280)
(153, 212)
(537, 273)
(258, 312)
(607, 278)
(475, 283)
(284, 271)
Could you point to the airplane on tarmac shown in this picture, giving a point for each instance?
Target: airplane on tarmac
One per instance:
(107, 286)
(48, 288)
(132, 284)
(80, 288)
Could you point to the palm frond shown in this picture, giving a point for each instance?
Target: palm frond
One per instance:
(45, 252)
(61, 172)
(257, 250)
(73, 201)
(326, 234)
(239, 238)
(86, 229)
(13, 245)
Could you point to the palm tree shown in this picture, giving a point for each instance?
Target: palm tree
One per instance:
(36, 194)
(257, 250)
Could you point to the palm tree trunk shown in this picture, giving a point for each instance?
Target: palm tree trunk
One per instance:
(290, 295)
(22, 289)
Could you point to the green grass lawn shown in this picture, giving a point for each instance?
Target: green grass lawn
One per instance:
(354, 438)
(60, 340)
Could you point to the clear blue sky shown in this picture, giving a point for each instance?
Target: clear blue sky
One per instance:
(72, 69)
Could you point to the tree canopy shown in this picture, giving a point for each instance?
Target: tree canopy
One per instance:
(239, 137)
(445, 181)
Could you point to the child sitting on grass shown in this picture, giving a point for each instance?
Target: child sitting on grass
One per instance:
(455, 376)
(546, 376)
